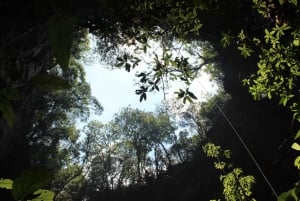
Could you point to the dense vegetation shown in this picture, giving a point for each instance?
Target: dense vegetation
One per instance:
(239, 145)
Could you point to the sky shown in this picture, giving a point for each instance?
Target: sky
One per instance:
(116, 89)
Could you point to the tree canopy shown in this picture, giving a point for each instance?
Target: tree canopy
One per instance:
(250, 46)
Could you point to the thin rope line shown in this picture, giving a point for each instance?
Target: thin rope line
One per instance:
(244, 145)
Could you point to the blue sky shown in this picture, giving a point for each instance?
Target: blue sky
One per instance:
(116, 89)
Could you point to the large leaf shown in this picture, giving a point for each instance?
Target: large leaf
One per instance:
(50, 82)
(291, 195)
(6, 183)
(43, 195)
(60, 37)
(30, 181)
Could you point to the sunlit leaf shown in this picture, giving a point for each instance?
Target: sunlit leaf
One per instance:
(296, 146)
(6, 183)
(297, 162)
(296, 42)
(269, 95)
(297, 135)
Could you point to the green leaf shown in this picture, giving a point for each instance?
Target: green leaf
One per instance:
(50, 82)
(227, 154)
(297, 162)
(197, 26)
(295, 2)
(296, 146)
(290, 195)
(245, 52)
(60, 38)
(6, 183)
(242, 35)
(269, 95)
(220, 165)
(284, 196)
(30, 181)
(297, 135)
(283, 100)
(281, 2)
(43, 195)
(296, 42)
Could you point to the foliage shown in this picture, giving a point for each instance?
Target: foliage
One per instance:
(27, 185)
(143, 132)
(42, 99)
(6, 183)
(293, 194)
(179, 61)
(117, 154)
(278, 64)
(69, 182)
(236, 186)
